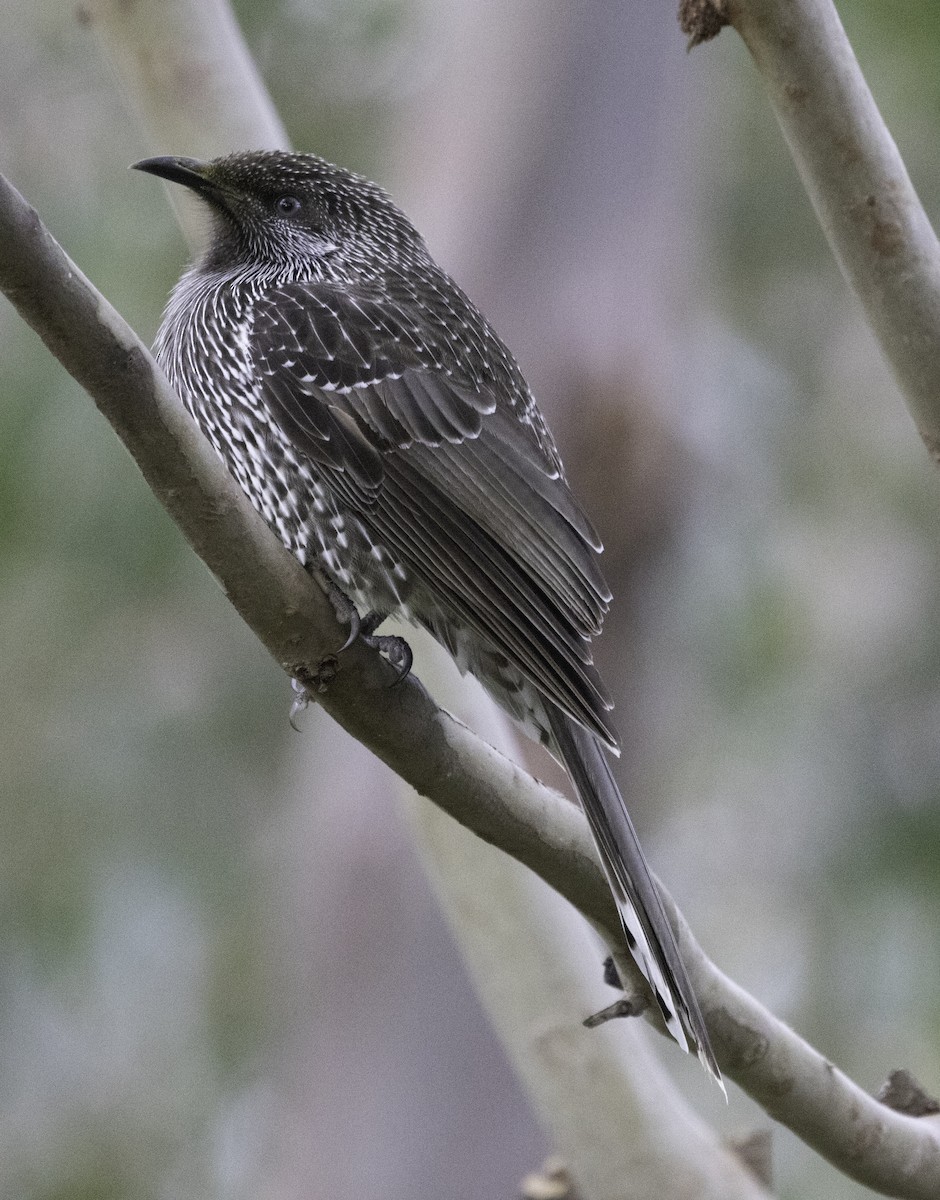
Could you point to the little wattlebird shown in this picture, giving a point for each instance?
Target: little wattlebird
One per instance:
(388, 438)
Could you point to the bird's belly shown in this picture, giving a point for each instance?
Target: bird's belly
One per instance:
(299, 506)
(324, 534)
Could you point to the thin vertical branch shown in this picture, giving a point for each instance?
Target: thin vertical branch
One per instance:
(858, 185)
(188, 74)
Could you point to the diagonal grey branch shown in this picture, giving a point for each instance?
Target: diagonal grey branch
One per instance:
(439, 757)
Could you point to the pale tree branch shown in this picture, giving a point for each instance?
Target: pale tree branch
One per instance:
(897, 1154)
(889, 253)
(854, 176)
(187, 73)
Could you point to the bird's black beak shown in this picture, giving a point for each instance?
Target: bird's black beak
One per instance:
(187, 171)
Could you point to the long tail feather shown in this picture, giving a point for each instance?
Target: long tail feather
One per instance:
(648, 932)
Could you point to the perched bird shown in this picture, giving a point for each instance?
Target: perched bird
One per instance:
(387, 436)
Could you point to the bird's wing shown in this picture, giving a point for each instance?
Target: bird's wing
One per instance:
(446, 471)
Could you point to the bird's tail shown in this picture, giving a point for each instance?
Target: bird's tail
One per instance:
(648, 932)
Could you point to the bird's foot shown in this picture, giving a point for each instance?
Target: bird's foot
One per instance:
(306, 686)
(395, 648)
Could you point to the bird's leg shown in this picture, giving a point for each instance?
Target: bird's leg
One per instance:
(346, 613)
(396, 650)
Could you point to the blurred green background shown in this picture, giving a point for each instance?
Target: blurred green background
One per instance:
(221, 971)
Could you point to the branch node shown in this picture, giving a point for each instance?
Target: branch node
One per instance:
(903, 1093)
(626, 1006)
(702, 20)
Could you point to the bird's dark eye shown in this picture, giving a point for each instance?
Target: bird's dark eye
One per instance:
(288, 205)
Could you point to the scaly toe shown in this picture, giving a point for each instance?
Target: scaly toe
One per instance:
(298, 704)
(396, 650)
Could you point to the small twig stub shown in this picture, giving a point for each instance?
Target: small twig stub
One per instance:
(701, 20)
(903, 1093)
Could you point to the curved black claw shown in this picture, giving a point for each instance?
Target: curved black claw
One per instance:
(395, 649)
(346, 613)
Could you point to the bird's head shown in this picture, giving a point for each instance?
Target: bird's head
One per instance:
(295, 213)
